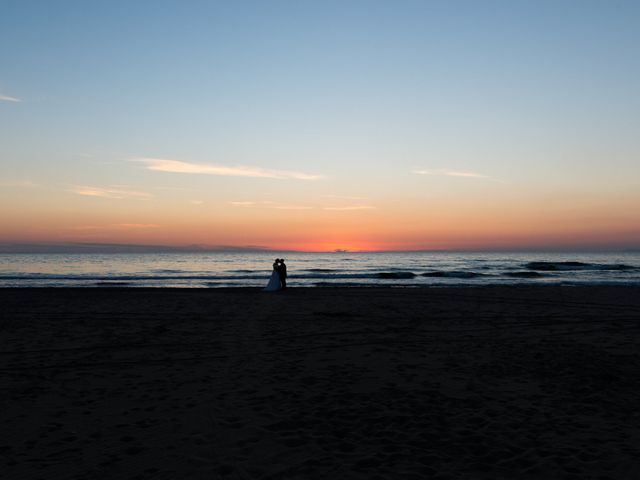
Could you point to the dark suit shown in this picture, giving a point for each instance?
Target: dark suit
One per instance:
(282, 271)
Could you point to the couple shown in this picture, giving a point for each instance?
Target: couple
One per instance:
(278, 280)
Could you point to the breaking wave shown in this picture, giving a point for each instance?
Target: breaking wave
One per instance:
(454, 274)
(568, 266)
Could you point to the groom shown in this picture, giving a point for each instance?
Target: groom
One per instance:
(282, 273)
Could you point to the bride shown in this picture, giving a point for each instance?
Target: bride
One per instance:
(274, 281)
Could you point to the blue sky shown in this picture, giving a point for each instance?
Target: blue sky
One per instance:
(542, 96)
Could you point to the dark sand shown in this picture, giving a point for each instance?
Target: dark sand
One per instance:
(514, 382)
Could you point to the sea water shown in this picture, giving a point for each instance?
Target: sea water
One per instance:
(344, 269)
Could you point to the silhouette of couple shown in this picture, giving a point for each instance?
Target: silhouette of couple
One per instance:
(278, 280)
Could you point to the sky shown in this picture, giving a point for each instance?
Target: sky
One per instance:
(358, 125)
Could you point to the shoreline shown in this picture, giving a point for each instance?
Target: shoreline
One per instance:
(116, 286)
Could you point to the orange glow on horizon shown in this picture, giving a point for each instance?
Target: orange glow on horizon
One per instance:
(333, 246)
(509, 221)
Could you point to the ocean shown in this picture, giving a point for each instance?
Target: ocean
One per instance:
(251, 269)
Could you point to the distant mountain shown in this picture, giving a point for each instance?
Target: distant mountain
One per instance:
(120, 248)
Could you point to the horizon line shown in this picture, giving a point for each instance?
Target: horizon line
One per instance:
(108, 247)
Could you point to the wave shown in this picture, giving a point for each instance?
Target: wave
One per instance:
(333, 274)
(395, 275)
(258, 276)
(321, 274)
(525, 274)
(568, 266)
(454, 274)
(340, 284)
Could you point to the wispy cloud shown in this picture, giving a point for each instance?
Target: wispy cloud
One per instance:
(176, 166)
(458, 173)
(350, 208)
(7, 98)
(115, 192)
(116, 226)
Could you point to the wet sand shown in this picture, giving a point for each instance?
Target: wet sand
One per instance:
(481, 383)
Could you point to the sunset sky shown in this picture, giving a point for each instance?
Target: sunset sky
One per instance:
(357, 125)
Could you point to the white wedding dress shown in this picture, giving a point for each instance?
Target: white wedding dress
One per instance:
(274, 282)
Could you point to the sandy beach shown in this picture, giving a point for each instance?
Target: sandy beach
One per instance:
(442, 383)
